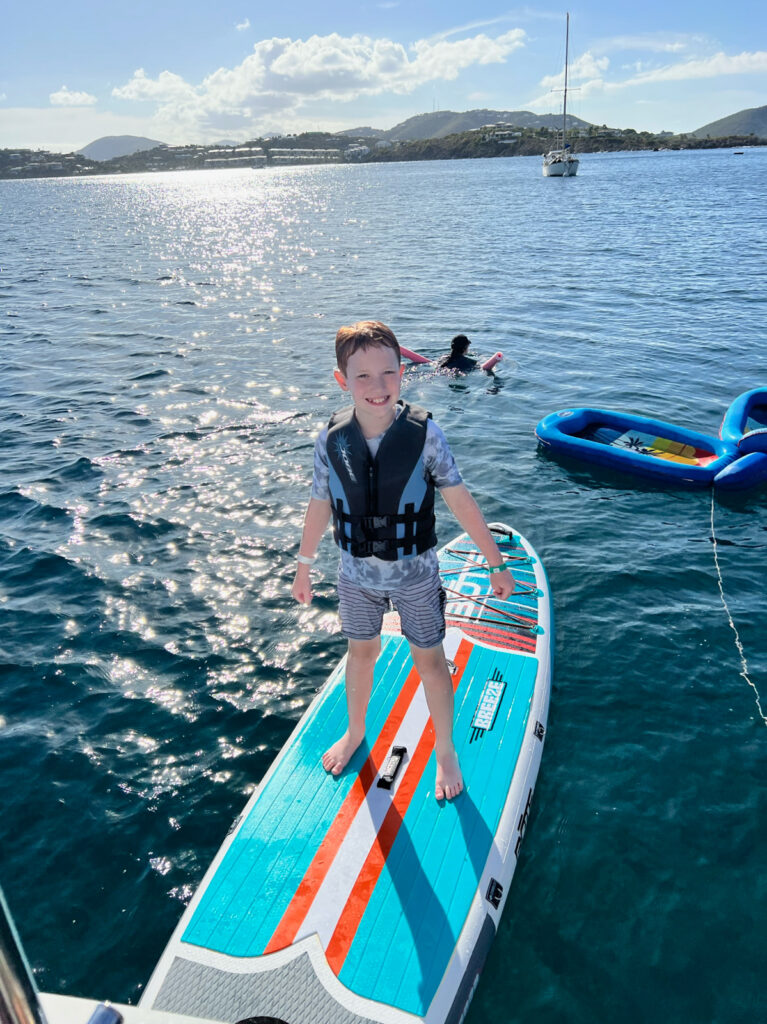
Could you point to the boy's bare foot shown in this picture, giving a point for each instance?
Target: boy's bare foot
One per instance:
(449, 778)
(336, 758)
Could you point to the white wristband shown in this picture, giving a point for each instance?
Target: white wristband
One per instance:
(306, 560)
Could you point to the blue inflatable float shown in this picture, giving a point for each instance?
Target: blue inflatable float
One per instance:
(745, 424)
(657, 450)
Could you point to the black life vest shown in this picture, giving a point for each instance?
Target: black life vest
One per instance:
(382, 506)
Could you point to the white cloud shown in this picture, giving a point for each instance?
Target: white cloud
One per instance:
(649, 42)
(590, 72)
(283, 76)
(243, 26)
(167, 87)
(463, 53)
(470, 26)
(708, 67)
(582, 68)
(67, 98)
(716, 66)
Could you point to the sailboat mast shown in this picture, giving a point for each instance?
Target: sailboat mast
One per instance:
(564, 105)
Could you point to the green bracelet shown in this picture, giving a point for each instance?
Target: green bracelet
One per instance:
(497, 568)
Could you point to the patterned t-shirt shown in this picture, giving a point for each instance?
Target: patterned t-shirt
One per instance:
(376, 573)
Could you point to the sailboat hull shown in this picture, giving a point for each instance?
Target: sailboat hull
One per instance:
(559, 168)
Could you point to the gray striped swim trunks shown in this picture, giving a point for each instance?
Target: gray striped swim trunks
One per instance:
(421, 608)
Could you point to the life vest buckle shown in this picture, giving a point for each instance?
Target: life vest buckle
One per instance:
(366, 548)
(376, 522)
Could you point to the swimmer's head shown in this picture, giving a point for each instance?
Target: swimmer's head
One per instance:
(459, 345)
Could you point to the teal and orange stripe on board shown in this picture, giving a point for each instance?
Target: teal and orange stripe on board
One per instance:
(357, 902)
(299, 907)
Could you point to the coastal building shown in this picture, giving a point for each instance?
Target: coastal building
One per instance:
(356, 152)
(184, 153)
(27, 163)
(235, 156)
(294, 155)
(500, 132)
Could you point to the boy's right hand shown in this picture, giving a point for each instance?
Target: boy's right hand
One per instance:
(302, 585)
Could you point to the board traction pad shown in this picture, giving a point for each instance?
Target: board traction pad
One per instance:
(292, 993)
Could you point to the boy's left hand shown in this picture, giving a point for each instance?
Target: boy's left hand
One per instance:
(302, 585)
(502, 584)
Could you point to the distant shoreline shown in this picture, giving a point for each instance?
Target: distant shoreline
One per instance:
(318, 149)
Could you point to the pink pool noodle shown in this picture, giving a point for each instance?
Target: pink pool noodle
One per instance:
(413, 356)
(492, 361)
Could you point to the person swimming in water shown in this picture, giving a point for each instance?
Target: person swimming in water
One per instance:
(457, 358)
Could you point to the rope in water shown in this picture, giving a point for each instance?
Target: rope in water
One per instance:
(738, 644)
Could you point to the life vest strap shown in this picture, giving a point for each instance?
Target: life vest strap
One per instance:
(383, 522)
(385, 539)
(366, 548)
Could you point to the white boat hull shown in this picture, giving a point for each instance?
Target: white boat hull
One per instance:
(557, 167)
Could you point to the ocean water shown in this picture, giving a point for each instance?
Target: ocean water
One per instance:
(166, 359)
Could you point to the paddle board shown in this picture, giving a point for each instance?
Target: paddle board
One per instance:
(361, 898)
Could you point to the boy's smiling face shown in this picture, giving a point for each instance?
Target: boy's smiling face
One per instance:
(373, 380)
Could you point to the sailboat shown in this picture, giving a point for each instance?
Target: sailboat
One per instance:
(560, 163)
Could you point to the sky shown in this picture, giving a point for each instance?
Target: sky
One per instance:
(201, 72)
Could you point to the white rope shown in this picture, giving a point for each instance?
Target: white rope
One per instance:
(738, 644)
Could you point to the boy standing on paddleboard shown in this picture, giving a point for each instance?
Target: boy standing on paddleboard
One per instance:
(376, 466)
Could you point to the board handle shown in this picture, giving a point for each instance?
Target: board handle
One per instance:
(392, 767)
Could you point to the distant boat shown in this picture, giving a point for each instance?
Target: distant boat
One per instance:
(560, 163)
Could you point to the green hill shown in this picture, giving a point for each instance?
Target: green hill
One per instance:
(441, 123)
(746, 122)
